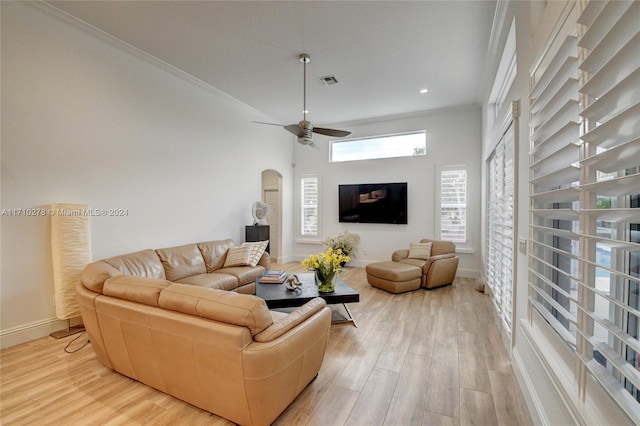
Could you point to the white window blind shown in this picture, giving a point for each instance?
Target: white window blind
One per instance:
(584, 274)
(453, 205)
(309, 186)
(554, 175)
(500, 198)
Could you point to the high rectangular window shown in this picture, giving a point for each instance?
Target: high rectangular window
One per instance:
(398, 145)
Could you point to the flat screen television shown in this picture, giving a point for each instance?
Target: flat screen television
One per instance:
(373, 203)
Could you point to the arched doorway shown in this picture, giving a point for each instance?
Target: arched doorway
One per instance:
(272, 196)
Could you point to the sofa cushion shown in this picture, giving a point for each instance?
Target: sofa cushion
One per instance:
(244, 274)
(212, 280)
(237, 256)
(214, 253)
(143, 263)
(419, 250)
(219, 305)
(420, 263)
(181, 261)
(136, 289)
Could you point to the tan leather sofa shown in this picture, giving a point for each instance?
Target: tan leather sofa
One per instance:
(157, 317)
(405, 274)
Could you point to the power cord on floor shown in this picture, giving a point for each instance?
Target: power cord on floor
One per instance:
(66, 348)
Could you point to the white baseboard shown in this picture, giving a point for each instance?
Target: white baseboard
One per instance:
(468, 273)
(361, 263)
(536, 410)
(28, 332)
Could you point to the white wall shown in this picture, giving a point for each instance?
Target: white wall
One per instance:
(453, 138)
(86, 119)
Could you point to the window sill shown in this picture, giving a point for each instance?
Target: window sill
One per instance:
(308, 241)
(465, 250)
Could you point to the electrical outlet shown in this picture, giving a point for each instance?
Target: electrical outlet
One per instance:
(522, 245)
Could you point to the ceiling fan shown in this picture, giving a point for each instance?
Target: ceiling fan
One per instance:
(304, 129)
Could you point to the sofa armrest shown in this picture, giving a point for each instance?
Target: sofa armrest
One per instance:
(284, 366)
(399, 255)
(95, 274)
(432, 259)
(296, 317)
(442, 256)
(265, 261)
(442, 271)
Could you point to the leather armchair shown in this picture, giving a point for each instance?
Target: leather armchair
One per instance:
(439, 269)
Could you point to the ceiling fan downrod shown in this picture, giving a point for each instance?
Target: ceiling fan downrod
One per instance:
(305, 59)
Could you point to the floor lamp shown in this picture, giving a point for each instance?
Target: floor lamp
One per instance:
(71, 252)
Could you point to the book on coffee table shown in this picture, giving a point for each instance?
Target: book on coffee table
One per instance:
(273, 277)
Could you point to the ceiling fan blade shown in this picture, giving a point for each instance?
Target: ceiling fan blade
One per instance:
(270, 124)
(295, 129)
(331, 132)
(313, 144)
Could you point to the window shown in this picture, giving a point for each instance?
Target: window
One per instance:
(398, 145)
(500, 223)
(453, 205)
(585, 180)
(505, 75)
(309, 208)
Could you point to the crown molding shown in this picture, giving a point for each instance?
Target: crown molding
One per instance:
(411, 114)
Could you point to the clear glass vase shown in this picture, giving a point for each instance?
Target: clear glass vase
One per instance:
(325, 281)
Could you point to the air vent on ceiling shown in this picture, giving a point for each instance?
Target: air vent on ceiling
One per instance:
(329, 80)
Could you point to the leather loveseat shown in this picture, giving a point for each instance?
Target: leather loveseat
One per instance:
(176, 319)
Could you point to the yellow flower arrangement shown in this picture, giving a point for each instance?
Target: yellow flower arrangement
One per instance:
(326, 265)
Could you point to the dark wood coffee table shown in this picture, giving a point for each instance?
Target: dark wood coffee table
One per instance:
(277, 296)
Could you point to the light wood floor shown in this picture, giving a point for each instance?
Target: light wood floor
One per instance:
(419, 358)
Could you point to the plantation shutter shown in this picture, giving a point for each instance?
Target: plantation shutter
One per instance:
(309, 210)
(499, 269)
(609, 76)
(453, 205)
(584, 262)
(554, 175)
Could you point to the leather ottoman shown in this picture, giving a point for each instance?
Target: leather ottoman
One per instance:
(394, 277)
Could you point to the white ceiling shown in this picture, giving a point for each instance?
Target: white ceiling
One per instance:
(382, 53)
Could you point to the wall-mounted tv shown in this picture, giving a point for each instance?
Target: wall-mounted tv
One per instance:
(373, 203)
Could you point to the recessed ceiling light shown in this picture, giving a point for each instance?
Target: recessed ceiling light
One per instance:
(424, 90)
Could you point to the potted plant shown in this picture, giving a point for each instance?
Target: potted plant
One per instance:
(347, 242)
(326, 266)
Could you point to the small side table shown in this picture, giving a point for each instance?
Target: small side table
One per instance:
(255, 233)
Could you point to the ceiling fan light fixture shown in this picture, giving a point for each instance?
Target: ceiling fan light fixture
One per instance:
(304, 130)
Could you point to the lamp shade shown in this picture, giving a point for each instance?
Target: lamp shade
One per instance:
(71, 252)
